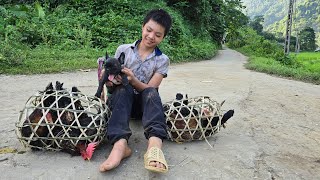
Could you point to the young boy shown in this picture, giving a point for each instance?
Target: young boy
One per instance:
(145, 67)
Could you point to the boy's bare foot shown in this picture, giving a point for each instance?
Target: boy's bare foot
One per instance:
(155, 142)
(119, 151)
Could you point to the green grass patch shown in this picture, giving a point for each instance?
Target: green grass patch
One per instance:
(270, 66)
(308, 55)
(44, 60)
(310, 61)
(47, 60)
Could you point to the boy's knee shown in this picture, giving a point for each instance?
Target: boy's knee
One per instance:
(150, 93)
(150, 90)
(123, 90)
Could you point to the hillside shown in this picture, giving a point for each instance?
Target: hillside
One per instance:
(275, 15)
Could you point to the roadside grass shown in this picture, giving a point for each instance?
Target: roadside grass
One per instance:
(268, 65)
(308, 55)
(47, 60)
(43, 59)
(309, 60)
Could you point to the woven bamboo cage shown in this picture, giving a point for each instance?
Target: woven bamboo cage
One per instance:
(192, 118)
(60, 120)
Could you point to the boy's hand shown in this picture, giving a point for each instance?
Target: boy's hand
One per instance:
(129, 73)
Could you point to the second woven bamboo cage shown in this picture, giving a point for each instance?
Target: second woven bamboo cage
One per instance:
(192, 118)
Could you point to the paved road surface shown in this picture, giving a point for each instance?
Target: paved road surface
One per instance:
(275, 133)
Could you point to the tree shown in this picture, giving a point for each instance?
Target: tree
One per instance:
(205, 16)
(307, 39)
(216, 17)
(234, 18)
(256, 24)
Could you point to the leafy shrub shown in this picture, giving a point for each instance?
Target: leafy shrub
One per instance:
(11, 55)
(253, 44)
(284, 59)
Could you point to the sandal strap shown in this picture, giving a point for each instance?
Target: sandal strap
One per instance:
(155, 154)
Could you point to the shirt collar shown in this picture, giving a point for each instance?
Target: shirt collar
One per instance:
(157, 50)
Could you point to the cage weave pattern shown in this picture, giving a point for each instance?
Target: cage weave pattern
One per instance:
(61, 119)
(192, 118)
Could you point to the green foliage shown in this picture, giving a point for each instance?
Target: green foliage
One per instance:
(203, 14)
(77, 26)
(48, 60)
(270, 66)
(211, 17)
(275, 15)
(308, 39)
(309, 60)
(271, 37)
(267, 56)
(233, 17)
(41, 36)
(256, 24)
(39, 10)
(252, 43)
(259, 46)
(194, 49)
(285, 59)
(11, 55)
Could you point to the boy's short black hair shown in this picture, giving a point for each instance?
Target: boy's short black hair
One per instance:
(161, 17)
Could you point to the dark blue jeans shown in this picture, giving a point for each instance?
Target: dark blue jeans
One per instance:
(126, 104)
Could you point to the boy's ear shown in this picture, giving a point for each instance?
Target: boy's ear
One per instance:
(121, 58)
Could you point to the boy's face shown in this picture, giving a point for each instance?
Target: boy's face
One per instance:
(152, 34)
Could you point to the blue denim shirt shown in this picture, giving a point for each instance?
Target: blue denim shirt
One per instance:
(156, 62)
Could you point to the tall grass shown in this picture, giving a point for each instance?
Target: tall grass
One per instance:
(309, 60)
(48, 60)
(270, 66)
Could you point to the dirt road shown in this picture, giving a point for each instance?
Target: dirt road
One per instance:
(275, 133)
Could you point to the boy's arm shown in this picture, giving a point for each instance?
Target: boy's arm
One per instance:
(155, 81)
